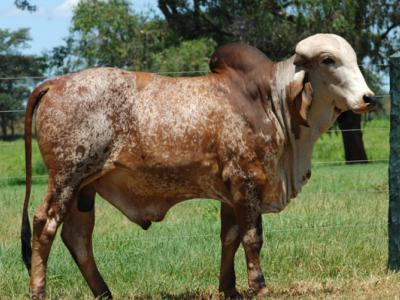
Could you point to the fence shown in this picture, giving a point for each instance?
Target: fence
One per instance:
(394, 167)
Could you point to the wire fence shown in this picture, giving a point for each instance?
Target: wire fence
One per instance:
(115, 239)
(22, 77)
(365, 226)
(188, 72)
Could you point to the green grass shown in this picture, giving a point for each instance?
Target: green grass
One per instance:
(12, 163)
(375, 136)
(331, 242)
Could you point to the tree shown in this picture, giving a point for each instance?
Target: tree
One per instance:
(190, 56)
(268, 23)
(110, 33)
(275, 26)
(25, 5)
(105, 32)
(13, 64)
(60, 59)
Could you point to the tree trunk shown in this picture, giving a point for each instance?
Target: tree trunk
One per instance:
(12, 128)
(350, 125)
(3, 125)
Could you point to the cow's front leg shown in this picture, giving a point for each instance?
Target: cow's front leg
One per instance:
(230, 240)
(248, 216)
(251, 235)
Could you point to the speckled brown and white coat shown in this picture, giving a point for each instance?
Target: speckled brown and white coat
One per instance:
(242, 134)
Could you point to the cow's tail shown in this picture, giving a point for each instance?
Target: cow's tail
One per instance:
(33, 101)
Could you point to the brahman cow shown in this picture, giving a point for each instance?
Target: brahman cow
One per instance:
(242, 134)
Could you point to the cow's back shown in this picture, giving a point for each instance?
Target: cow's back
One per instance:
(97, 118)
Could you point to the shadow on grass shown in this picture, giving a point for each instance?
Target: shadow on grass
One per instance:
(200, 295)
(297, 292)
(10, 138)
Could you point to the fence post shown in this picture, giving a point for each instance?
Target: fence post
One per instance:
(394, 165)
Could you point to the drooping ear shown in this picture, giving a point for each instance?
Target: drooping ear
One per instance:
(305, 102)
(296, 85)
(299, 97)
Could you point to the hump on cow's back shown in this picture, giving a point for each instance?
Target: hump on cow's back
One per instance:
(238, 56)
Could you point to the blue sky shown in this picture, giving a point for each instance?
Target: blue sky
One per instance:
(49, 24)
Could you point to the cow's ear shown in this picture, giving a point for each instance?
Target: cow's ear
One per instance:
(299, 97)
(296, 85)
(305, 103)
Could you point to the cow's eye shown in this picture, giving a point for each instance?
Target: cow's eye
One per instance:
(328, 61)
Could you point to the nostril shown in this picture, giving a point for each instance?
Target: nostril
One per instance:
(369, 99)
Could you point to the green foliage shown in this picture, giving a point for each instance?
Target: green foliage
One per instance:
(25, 5)
(188, 56)
(12, 42)
(61, 60)
(275, 26)
(14, 64)
(109, 33)
(106, 33)
(8, 120)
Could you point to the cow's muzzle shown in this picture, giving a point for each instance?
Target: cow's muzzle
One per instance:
(370, 104)
(370, 101)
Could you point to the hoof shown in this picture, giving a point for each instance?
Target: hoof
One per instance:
(236, 296)
(231, 295)
(263, 294)
(105, 296)
(39, 296)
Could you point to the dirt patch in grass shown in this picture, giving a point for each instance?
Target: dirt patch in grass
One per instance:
(387, 287)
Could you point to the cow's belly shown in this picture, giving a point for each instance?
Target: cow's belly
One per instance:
(146, 195)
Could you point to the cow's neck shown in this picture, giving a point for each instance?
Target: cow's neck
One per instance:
(295, 161)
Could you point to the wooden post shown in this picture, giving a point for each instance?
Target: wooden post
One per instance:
(394, 165)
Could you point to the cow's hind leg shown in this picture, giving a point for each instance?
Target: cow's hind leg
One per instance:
(230, 241)
(46, 220)
(77, 235)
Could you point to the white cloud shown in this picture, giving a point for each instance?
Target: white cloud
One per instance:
(65, 9)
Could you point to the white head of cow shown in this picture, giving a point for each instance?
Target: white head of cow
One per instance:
(331, 66)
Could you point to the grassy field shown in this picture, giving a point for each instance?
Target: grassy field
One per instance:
(329, 243)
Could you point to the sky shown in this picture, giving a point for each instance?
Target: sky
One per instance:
(50, 23)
